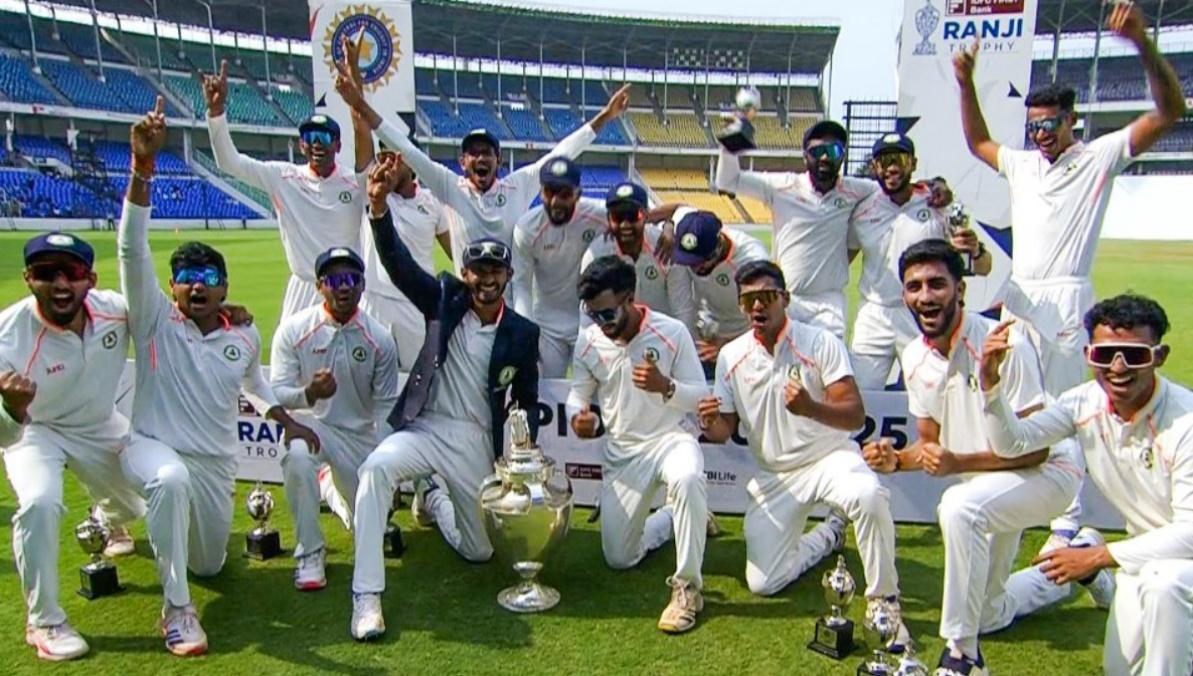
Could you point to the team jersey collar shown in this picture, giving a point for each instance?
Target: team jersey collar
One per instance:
(335, 169)
(784, 336)
(329, 318)
(1074, 149)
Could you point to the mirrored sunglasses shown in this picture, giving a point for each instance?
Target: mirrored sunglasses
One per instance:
(765, 296)
(489, 250)
(336, 280)
(604, 317)
(892, 159)
(208, 275)
(1048, 124)
(321, 136)
(833, 151)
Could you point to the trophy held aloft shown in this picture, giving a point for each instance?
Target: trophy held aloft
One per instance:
(738, 131)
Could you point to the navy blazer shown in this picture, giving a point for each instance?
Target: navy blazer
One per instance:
(443, 301)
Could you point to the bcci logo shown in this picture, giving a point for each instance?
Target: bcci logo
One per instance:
(380, 48)
(358, 353)
(232, 353)
(109, 340)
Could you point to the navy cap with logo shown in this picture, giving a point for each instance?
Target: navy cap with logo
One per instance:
(487, 249)
(696, 235)
(893, 142)
(320, 121)
(560, 172)
(627, 192)
(335, 255)
(59, 242)
(481, 134)
(826, 129)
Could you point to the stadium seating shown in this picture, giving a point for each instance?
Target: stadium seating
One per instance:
(598, 180)
(18, 82)
(175, 197)
(40, 148)
(524, 123)
(1120, 78)
(135, 91)
(81, 88)
(475, 115)
(563, 122)
(296, 105)
(44, 195)
(144, 48)
(769, 131)
(466, 85)
(682, 130)
(80, 39)
(117, 157)
(252, 192)
(554, 90)
(444, 122)
(704, 200)
(678, 96)
(246, 105)
(14, 30)
(424, 82)
(675, 179)
(189, 90)
(758, 211)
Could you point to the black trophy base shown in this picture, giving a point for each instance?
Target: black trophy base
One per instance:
(738, 136)
(98, 581)
(262, 545)
(395, 546)
(835, 642)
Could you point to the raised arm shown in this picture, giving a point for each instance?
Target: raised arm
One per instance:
(731, 179)
(1126, 21)
(227, 158)
(138, 280)
(415, 283)
(977, 135)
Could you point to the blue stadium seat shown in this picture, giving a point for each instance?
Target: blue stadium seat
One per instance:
(81, 89)
(19, 84)
(246, 105)
(564, 122)
(14, 30)
(296, 105)
(39, 147)
(424, 82)
(524, 123)
(136, 91)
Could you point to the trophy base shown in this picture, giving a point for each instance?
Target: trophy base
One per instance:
(737, 142)
(262, 545)
(395, 547)
(528, 596)
(835, 642)
(874, 667)
(97, 581)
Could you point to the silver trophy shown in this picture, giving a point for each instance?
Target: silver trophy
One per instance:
(707, 326)
(527, 505)
(958, 222)
(834, 632)
(926, 20)
(737, 134)
(880, 627)
(262, 542)
(909, 665)
(98, 577)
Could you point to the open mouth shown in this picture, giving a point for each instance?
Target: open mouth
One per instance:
(930, 314)
(62, 300)
(197, 300)
(759, 319)
(482, 170)
(488, 288)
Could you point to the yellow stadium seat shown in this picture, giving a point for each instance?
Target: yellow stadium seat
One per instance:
(675, 179)
(682, 130)
(706, 201)
(759, 212)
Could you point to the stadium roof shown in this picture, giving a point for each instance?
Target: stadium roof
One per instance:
(648, 41)
(1082, 16)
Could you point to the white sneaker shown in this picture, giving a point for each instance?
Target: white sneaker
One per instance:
(839, 522)
(367, 621)
(309, 572)
(902, 638)
(57, 643)
(1056, 540)
(120, 543)
(1103, 586)
(182, 631)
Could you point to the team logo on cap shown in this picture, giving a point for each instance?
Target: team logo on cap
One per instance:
(380, 48)
(688, 241)
(626, 190)
(651, 355)
(506, 375)
(923, 215)
(340, 252)
(359, 354)
(345, 197)
(109, 340)
(60, 240)
(891, 138)
(319, 119)
(232, 353)
(723, 279)
(559, 168)
(652, 272)
(588, 236)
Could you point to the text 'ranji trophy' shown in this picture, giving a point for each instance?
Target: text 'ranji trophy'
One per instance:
(98, 577)
(834, 632)
(262, 542)
(738, 133)
(527, 506)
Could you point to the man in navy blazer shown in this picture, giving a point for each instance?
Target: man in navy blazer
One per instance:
(450, 418)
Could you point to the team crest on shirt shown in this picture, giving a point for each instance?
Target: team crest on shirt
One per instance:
(506, 375)
(345, 197)
(723, 279)
(232, 353)
(651, 355)
(359, 354)
(422, 210)
(922, 215)
(839, 202)
(652, 272)
(501, 200)
(109, 340)
(973, 383)
(794, 375)
(588, 236)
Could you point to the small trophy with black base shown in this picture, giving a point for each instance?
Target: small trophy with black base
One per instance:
(98, 577)
(262, 542)
(738, 131)
(834, 632)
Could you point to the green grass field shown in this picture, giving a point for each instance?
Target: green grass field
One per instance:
(441, 611)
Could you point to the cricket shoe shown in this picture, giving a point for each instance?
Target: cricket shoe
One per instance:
(309, 572)
(1057, 539)
(182, 631)
(367, 621)
(680, 614)
(1102, 586)
(120, 540)
(57, 643)
(712, 528)
(960, 666)
(902, 638)
(839, 522)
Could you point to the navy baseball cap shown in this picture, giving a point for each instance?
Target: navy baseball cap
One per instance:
(893, 141)
(560, 172)
(627, 192)
(696, 234)
(487, 249)
(335, 255)
(320, 121)
(481, 134)
(826, 128)
(59, 242)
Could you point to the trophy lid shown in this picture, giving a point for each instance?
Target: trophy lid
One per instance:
(522, 455)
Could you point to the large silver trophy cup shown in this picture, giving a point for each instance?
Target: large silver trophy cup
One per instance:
(527, 506)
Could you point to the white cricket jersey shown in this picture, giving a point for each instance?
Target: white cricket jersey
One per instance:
(418, 221)
(717, 290)
(1057, 208)
(810, 228)
(76, 377)
(314, 213)
(752, 382)
(460, 389)
(361, 356)
(665, 288)
(188, 384)
(1144, 466)
(546, 260)
(883, 230)
(604, 370)
(489, 214)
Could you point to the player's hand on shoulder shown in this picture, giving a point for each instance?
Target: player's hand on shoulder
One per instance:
(585, 423)
(17, 392)
(880, 455)
(238, 315)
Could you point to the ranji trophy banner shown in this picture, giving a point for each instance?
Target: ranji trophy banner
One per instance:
(386, 58)
(929, 105)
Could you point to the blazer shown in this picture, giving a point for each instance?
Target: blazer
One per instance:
(443, 301)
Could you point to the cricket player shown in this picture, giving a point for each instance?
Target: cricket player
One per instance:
(982, 516)
(661, 285)
(1136, 432)
(450, 418)
(191, 364)
(549, 244)
(641, 366)
(881, 228)
(789, 385)
(319, 205)
(1059, 194)
(341, 364)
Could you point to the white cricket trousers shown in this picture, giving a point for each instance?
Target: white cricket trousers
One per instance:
(629, 531)
(880, 332)
(981, 520)
(406, 324)
(345, 451)
(1150, 629)
(555, 355)
(826, 310)
(460, 453)
(777, 549)
(300, 294)
(35, 467)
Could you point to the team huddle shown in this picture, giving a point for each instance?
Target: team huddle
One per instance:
(670, 327)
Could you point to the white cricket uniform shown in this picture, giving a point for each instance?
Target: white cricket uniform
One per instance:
(451, 440)
(73, 421)
(717, 291)
(419, 221)
(489, 214)
(1144, 467)
(362, 358)
(314, 213)
(183, 450)
(665, 288)
(883, 230)
(546, 260)
(810, 235)
(802, 462)
(983, 516)
(646, 445)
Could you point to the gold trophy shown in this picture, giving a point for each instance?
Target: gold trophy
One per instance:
(834, 632)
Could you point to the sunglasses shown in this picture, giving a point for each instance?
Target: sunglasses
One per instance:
(1135, 355)
(833, 151)
(765, 296)
(604, 317)
(625, 213)
(886, 160)
(48, 272)
(208, 275)
(1048, 124)
(321, 136)
(335, 280)
(487, 250)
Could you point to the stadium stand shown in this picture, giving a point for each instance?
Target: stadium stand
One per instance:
(770, 133)
(80, 88)
(675, 179)
(256, 194)
(189, 90)
(523, 123)
(563, 122)
(598, 180)
(755, 209)
(39, 148)
(14, 31)
(144, 49)
(18, 83)
(475, 115)
(1119, 77)
(424, 82)
(136, 92)
(46, 196)
(681, 130)
(246, 105)
(444, 122)
(80, 39)
(296, 106)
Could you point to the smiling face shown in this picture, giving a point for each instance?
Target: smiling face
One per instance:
(560, 203)
(823, 157)
(627, 222)
(59, 283)
(341, 286)
(1127, 388)
(1051, 143)
(933, 297)
(765, 303)
(487, 281)
(610, 311)
(320, 154)
(893, 170)
(480, 163)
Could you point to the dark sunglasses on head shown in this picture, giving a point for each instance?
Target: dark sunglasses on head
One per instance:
(335, 280)
(48, 272)
(313, 136)
(208, 275)
(833, 151)
(605, 317)
(764, 296)
(1135, 355)
(900, 160)
(1048, 124)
